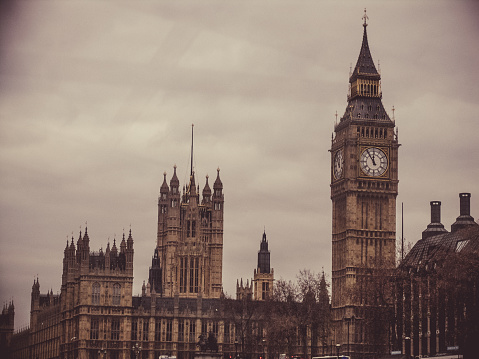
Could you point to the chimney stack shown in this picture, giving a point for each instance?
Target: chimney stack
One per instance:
(465, 219)
(465, 204)
(435, 227)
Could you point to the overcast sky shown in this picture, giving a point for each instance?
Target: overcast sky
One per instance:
(97, 99)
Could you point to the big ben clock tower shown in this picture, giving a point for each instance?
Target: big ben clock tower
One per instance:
(364, 186)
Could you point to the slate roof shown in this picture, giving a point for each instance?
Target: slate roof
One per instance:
(433, 249)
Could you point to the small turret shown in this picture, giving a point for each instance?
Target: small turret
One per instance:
(123, 244)
(35, 301)
(206, 192)
(264, 256)
(174, 182)
(218, 185)
(129, 253)
(155, 274)
(164, 187)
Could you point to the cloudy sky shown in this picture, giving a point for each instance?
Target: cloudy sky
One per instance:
(97, 99)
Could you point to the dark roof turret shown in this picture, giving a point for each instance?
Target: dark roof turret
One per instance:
(218, 184)
(365, 65)
(164, 187)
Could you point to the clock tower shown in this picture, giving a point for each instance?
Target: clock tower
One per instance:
(364, 186)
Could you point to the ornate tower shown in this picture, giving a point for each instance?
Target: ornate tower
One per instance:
(190, 238)
(364, 186)
(263, 275)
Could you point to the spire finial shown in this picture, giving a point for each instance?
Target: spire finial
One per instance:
(394, 119)
(365, 18)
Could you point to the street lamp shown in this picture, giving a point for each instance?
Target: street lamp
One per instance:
(337, 349)
(408, 346)
(101, 353)
(236, 348)
(348, 321)
(137, 349)
(263, 341)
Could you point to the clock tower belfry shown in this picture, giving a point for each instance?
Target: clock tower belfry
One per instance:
(364, 186)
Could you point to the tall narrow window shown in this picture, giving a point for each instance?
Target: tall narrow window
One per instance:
(146, 326)
(183, 274)
(197, 274)
(134, 329)
(158, 330)
(192, 274)
(226, 331)
(169, 330)
(115, 329)
(116, 294)
(181, 330)
(193, 228)
(94, 328)
(188, 229)
(192, 331)
(95, 294)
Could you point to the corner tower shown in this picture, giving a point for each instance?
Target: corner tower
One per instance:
(189, 249)
(263, 275)
(364, 186)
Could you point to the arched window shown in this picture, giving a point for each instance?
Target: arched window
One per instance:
(95, 294)
(116, 294)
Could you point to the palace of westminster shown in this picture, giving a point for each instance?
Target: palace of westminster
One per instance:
(97, 316)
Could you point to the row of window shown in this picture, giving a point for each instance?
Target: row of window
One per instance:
(95, 329)
(372, 132)
(174, 203)
(164, 330)
(194, 274)
(95, 294)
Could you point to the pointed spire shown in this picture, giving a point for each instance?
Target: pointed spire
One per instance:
(365, 65)
(191, 167)
(164, 187)
(174, 182)
(206, 190)
(218, 184)
(86, 238)
(130, 240)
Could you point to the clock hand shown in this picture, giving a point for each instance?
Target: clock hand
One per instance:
(372, 157)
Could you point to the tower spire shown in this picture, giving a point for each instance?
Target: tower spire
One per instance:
(191, 168)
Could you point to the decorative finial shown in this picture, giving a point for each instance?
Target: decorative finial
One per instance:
(394, 119)
(336, 114)
(365, 18)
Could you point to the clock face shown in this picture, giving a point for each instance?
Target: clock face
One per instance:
(373, 162)
(338, 164)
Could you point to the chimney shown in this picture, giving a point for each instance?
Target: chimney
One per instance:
(435, 212)
(435, 227)
(465, 204)
(465, 219)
